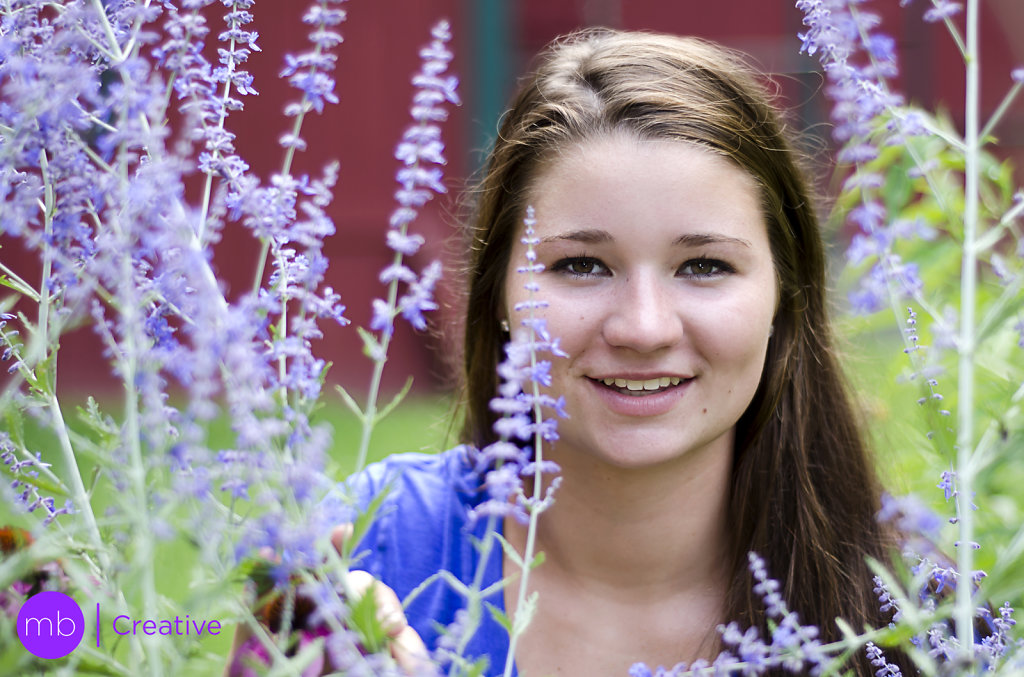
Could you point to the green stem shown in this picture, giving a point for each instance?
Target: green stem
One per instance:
(41, 343)
(79, 495)
(261, 265)
(538, 489)
(208, 187)
(474, 598)
(42, 340)
(132, 46)
(965, 403)
(995, 234)
(108, 30)
(286, 168)
(143, 559)
(369, 418)
(1004, 105)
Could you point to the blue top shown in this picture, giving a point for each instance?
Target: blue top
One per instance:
(423, 527)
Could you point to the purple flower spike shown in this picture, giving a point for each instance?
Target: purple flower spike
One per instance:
(508, 460)
(942, 10)
(418, 182)
(309, 72)
(877, 658)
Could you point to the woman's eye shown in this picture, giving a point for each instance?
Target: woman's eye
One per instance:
(704, 268)
(580, 266)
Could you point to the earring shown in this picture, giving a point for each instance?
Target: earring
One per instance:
(504, 326)
(771, 331)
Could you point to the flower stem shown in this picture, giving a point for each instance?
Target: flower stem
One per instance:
(78, 492)
(286, 168)
(1004, 106)
(965, 397)
(108, 30)
(42, 339)
(369, 419)
(538, 488)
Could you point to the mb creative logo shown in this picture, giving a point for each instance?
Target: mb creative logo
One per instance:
(51, 625)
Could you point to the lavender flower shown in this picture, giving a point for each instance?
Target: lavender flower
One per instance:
(22, 489)
(996, 644)
(877, 658)
(794, 647)
(942, 10)
(886, 601)
(910, 516)
(519, 402)
(858, 62)
(420, 147)
(948, 485)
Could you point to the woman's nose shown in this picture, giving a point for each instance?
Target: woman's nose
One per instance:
(643, 315)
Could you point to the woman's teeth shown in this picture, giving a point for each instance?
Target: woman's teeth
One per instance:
(648, 384)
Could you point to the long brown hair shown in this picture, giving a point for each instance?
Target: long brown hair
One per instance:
(804, 492)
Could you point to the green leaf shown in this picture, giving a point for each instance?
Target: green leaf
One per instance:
(44, 485)
(500, 617)
(1004, 310)
(363, 619)
(18, 287)
(477, 669)
(365, 518)
(846, 629)
(510, 551)
(395, 401)
(350, 402)
(525, 614)
(371, 346)
(97, 421)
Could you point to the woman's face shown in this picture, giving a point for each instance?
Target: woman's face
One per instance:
(661, 287)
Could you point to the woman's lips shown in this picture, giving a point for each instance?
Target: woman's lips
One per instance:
(641, 385)
(641, 397)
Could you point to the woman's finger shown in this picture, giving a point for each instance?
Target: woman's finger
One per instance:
(410, 652)
(340, 535)
(407, 648)
(389, 609)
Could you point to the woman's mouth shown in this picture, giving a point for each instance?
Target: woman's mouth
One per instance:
(641, 388)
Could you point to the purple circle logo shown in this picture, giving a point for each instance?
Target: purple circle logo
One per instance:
(50, 624)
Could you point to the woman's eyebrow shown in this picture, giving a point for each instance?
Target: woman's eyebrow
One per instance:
(597, 236)
(588, 236)
(702, 239)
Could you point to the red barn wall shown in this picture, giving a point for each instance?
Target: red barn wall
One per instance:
(382, 38)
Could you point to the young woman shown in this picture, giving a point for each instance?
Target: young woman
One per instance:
(685, 277)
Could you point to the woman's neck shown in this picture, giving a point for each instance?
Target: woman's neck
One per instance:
(641, 531)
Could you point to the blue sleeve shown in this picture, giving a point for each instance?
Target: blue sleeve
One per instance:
(423, 527)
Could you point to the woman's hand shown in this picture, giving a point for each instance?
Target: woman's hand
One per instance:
(404, 643)
(407, 647)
